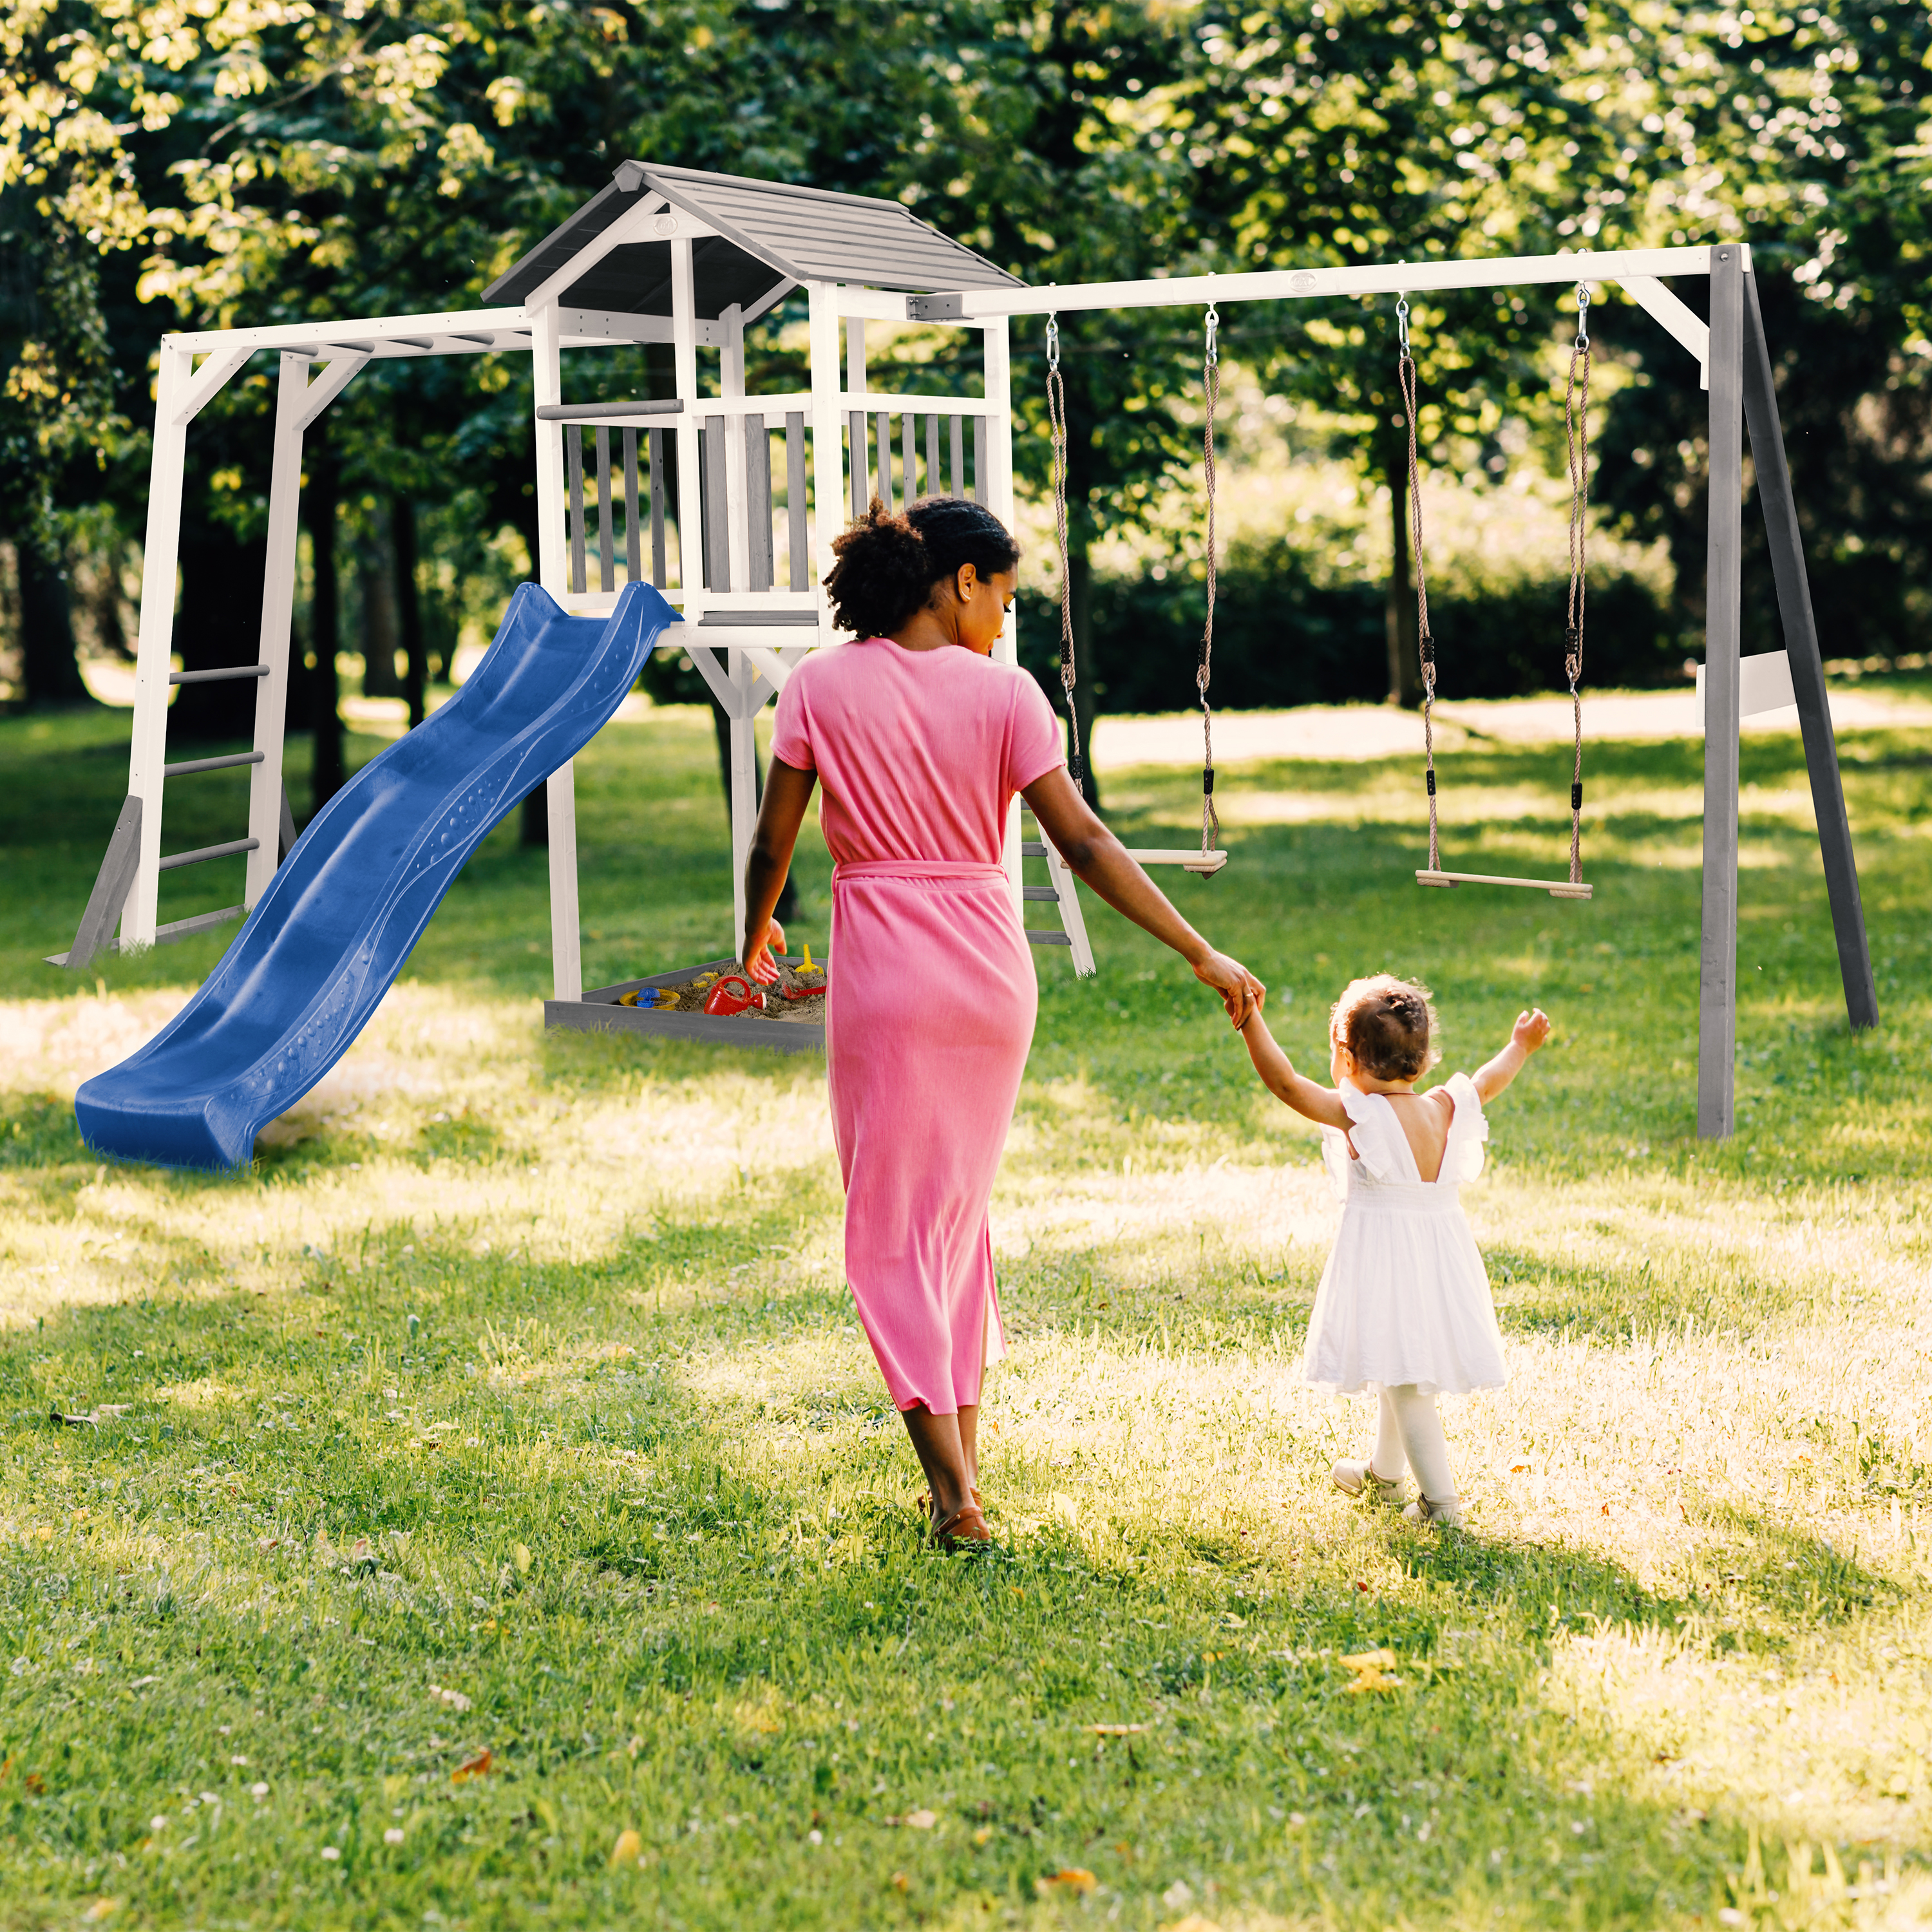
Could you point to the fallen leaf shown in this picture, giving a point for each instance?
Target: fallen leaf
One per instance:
(35, 1783)
(921, 1820)
(1072, 1878)
(101, 1908)
(625, 1852)
(1370, 1667)
(520, 1554)
(899, 1881)
(984, 1835)
(478, 1766)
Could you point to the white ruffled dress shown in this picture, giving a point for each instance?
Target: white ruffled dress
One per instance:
(1405, 1298)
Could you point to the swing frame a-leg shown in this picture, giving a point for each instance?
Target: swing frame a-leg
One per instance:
(1743, 394)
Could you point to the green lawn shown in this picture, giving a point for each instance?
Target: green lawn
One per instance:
(502, 1472)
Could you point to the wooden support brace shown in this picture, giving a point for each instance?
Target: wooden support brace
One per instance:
(112, 886)
(1807, 666)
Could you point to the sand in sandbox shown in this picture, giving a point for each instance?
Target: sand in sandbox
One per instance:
(777, 1009)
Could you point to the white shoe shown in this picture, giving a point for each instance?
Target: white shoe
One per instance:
(1448, 1510)
(1353, 1478)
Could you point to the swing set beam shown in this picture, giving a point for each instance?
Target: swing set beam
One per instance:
(1735, 367)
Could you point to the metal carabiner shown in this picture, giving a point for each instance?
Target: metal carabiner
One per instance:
(1583, 315)
(1053, 340)
(1213, 355)
(1401, 323)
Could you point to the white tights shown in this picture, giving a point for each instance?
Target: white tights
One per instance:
(1409, 1435)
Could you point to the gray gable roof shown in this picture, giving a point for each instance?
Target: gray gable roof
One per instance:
(769, 233)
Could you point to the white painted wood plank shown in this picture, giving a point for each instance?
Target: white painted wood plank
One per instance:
(552, 562)
(737, 511)
(1677, 318)
(690, 496)
(208, 382)
(278, 599)
(1615, 265)
(147, 747)
(1764, 684)
(566, 937)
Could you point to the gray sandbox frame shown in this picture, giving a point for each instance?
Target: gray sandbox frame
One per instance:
(598, 1011)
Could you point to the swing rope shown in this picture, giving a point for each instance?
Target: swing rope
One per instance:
(1404, 369)
(1576, 431)
(1210, 380)
(1056, 421)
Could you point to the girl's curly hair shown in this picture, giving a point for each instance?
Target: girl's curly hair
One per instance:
(1388, 1024)
(888, 563)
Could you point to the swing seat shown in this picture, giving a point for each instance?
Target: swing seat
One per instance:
(1205, 864)
(1557, 888)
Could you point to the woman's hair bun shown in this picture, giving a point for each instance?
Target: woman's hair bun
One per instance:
(888, 561)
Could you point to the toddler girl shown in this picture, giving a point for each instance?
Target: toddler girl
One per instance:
(1404, 1302)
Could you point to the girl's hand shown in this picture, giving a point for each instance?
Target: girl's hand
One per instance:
(1241, 993)
(1531, 1030)
(758, 954)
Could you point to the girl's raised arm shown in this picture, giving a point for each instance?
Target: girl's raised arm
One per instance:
(1321, 1104)
(1531, 1030)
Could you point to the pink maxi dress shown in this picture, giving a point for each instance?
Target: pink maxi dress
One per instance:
(930, 1011)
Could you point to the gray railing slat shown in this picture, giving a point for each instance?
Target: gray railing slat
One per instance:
(909, 454)
(634, 560)
(959, 488)
(660, 568)
(717, 521)
(857, 465)
(978, 459)
(885, 461)
(758, 503)
(606, 566)
(935, 483)
(801, 564)
(573, 464)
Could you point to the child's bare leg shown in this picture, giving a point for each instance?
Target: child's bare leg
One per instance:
(1423, 1441)
(1388, 1459)
(937, 1440)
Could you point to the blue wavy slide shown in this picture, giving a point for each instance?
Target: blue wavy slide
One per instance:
(315, 957)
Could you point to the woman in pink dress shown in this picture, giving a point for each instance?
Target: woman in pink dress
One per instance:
(921, 740)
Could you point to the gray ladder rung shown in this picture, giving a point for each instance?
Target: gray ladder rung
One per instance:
(1032, 848)
(195, 858)
(181, 770)
(1045, 892)
(1037, 938)
(215, 677)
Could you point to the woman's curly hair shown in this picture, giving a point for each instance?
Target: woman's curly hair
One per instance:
(1388, 1024)
(888, 563)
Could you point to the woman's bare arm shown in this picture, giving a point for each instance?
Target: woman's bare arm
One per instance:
(1322, 1105)
(787, 793)
(1100, 860)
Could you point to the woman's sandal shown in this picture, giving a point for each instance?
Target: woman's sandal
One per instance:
(964, 1526)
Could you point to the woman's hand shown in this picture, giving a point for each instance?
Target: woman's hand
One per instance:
(1241, 993)
(758, 954)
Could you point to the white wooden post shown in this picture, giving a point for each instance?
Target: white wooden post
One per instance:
(855, 386)
(552, 567)
(737, 494)
(997, 492)
(278, 601)
(690, 496)
(828, 473)
(148, 750)
(744, 787)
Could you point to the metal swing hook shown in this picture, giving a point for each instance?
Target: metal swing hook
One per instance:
(1213, 355)
(1053, 340)
(1583, 315)
(1401, 323)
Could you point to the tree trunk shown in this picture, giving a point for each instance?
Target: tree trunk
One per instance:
(408, 608)
(325, 627)
(1405, 673)
(376, 572)
(49, 672)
